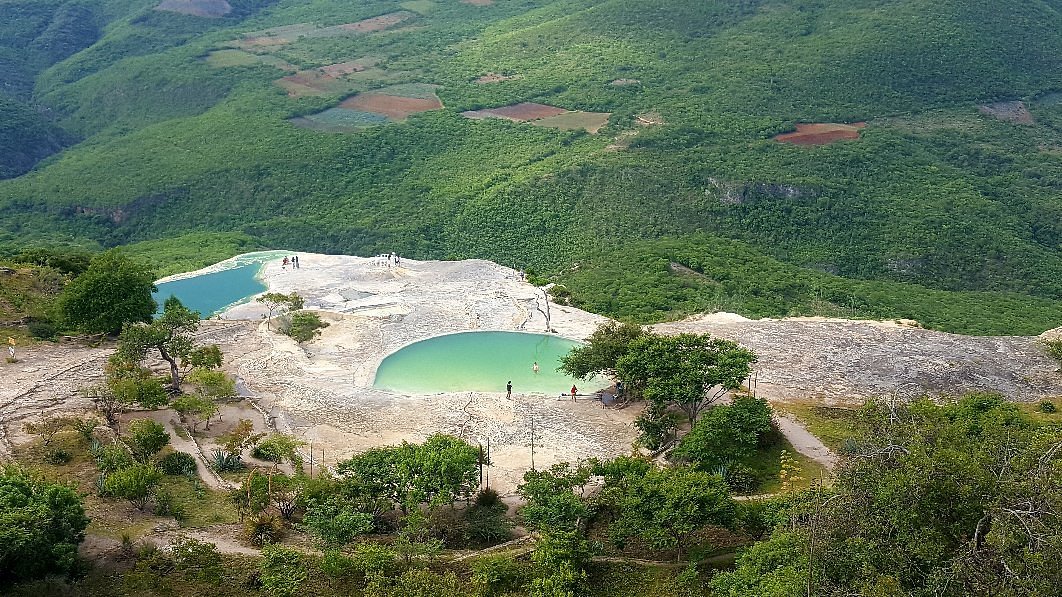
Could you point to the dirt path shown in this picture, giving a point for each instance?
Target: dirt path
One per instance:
(806, 443)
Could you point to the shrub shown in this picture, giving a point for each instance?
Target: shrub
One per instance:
(146, 438)
(373, 558)
(112, 458)
(198, 559)
(57, 456)
(178, 463)
(1046, 406)
(281, 570)
(224, 462)
(305, 325)
(263, 529)
(740, 478)
(42, 330)
(497, 575)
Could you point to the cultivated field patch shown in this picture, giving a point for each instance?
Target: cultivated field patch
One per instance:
(821, 133)
(544, 115)
(279, 36)
(380, 106)
(330, 79)
(229, 58)
(1014, 112)
(517, 112)
(591, 122)
(478, 2)
(625, 82)
(197, 8)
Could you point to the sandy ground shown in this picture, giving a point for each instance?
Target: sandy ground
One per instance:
(322, 390)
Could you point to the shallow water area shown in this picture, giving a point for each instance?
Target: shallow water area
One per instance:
(212, 293)
(482, 362)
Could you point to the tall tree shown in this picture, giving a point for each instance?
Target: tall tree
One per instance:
(171, 335)
(114, 291)
(690, 371)
(41, 525)
(605, 347)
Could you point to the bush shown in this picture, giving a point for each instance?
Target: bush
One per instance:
(488, 524)
(263, 529)
(1046, 406)
(281, 570)
(178, 463)
(224, 462)
(497, 575)
(373, 558)
(112, 458)
(740, 478)
(146, 438)
(305, 325)
(42, 330)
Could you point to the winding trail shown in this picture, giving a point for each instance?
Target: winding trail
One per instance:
(804, 442)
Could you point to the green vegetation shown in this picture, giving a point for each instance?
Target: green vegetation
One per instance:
(938, 213)
(959, 499)
(41, 525)
(113, 291)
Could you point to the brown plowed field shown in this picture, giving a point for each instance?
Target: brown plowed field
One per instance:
(821, 133)
(524, 112)
(392, 106)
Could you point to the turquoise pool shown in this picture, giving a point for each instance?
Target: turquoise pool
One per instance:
(211, 293)
(481, 362)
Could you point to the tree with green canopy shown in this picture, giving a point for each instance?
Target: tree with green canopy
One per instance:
(954, 499)
(726, 433)
(171, 335)
(41, 525)
(134, 483)
(146, 438)
(279, 303)
(114, 291)
(664, 506)
(603, 349)
(690, 371)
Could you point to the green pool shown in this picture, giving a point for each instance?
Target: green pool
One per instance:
(214, 292)
(481, 362)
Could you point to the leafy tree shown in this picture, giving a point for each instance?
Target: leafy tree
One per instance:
(664, 506)
(954, 499)
(551, 502)
(726, 434)
(171, 335)
(47, 426)
(279, 447)
(241, 437)
(197, 407)
(145, 438)
(606, 346)
(278, 303)
(41, 525)
(560, 559)
(688, 370)
(211, 383)
(305, 325)
(114, 291)
(197, 559)
(336, 524)
(414, 543)
(134, 483)
(112, 458)
(281, 570)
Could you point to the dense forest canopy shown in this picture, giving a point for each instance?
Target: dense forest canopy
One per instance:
(683, 202)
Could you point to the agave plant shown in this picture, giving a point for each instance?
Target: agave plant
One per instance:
(223, 461)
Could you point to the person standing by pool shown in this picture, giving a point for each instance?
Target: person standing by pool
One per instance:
(509, 389)
(575, 390)
(535, 367)
(284, 264)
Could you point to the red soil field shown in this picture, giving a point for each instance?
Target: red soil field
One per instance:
(391, 106)
(524, 112)
(821, 133)
(343, 68)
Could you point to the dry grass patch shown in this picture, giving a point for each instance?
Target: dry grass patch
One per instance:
(1013, 112)
(495, 78)
(821, 133)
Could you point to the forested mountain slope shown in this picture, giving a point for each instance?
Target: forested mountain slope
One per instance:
(947, 208)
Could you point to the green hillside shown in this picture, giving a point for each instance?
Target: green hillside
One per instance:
(682, 202)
